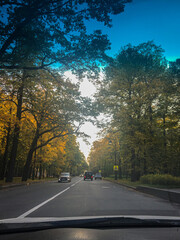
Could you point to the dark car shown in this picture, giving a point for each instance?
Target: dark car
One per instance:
(98, 176)
(88, 175)
(65, 177)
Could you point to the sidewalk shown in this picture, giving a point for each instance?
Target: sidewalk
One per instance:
(171, 195)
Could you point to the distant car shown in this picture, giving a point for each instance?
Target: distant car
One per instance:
(65, 177)
(88, 175)
(98, 176)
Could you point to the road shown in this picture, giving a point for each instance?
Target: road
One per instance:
(80, 198)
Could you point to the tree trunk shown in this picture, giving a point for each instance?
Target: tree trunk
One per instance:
(43, 172)
(12, 161)
(120, 170)
(29, 156)
(30, 172)
(36, 172)
(133, 167)
(33, 173)
(40, 171)
(5, 156)
(34, 166)
(144, 160)
(49, 171)
(27, 165)
(165, 165)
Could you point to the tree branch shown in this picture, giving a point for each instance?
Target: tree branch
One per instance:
(50, 139)
(8, 100)
(42, 66)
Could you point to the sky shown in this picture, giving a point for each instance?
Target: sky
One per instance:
(142, 20)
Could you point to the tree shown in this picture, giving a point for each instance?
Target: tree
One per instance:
(15, 85)
(49, 160)
(48, 34)
(101, 156)
(50, 108)
(16, 132)
(56, 108)
(39, 33)
(139, 94)
(7, 121)
(75, 162)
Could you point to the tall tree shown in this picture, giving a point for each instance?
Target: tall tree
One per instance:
(134, 92)
(38, 33)
(58, 110)
(16, 132)
(7, 121)
(42, 34)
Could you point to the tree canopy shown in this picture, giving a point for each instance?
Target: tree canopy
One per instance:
(40, 33)
(38, 37)
(140, 94)
(50, 110)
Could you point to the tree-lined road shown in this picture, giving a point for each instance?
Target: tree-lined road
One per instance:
(80, 198)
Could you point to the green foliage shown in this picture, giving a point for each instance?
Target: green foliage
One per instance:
(36, 34)
(160, 179)
(51, 109)
(44, 35)
(140, 95)
(101, 157)
(75, 161)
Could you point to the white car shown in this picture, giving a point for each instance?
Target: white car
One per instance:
(65, 177)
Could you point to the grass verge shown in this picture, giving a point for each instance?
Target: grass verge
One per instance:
(138, 183)
(17, 180)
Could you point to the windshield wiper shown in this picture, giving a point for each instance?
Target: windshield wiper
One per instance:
(101, 222)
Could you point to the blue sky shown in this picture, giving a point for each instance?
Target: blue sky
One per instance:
(144, 20)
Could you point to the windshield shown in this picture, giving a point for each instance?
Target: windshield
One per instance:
(88, 173)
(98, 174)
(89, 91)
(65, 174)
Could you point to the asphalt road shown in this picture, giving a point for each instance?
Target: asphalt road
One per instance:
(80, 198)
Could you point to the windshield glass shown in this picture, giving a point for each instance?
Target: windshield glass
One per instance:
(65, 174)
(88, 173)
(89, 91)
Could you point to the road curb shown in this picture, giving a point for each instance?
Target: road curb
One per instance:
(170, 196)
(22, 184)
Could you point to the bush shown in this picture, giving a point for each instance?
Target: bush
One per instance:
(157, 179)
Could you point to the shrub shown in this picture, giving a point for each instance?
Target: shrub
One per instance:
(163, 179)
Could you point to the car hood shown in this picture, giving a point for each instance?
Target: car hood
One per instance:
(33, 224)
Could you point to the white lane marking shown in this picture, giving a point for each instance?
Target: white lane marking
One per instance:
(77, 181)
(43, 203)
(105, 187)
